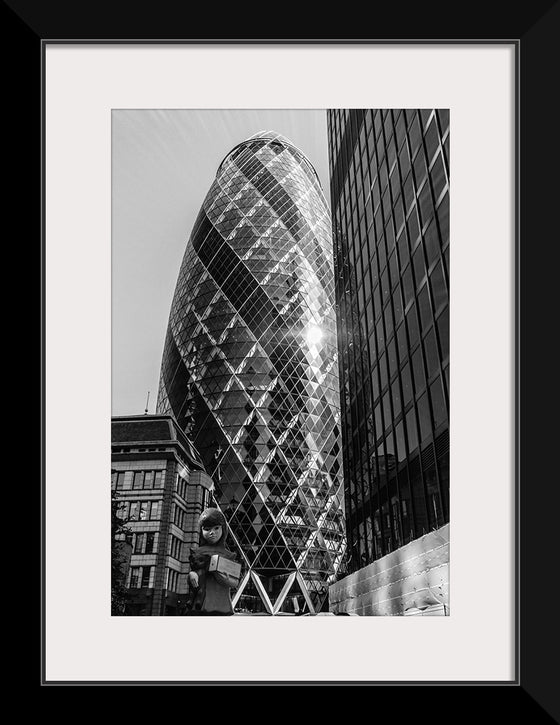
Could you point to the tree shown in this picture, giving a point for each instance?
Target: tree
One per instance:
(120, 557)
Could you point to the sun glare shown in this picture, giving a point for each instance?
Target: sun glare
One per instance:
(314, 335)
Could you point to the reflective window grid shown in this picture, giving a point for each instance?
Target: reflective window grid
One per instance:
(156, 475)
(250, 367)
(390, 202)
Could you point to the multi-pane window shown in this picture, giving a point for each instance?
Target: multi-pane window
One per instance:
(145, 542)
(175, 547)
(140, 510)
(181, 486)
(393, 276)
(172, 580)
(138, 480)
(141, 577)
(178, 515)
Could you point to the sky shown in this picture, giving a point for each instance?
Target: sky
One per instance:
(163, 163)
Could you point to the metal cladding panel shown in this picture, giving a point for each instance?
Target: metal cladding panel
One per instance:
(411, 580)
(251, 364)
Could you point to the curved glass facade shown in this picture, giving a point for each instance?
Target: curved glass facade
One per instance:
(250, 367)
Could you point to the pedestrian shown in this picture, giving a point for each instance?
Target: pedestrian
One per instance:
(210, 590)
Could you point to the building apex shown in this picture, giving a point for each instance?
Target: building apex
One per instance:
(271, 138)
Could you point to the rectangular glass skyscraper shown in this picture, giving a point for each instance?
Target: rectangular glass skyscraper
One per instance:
(390, 205)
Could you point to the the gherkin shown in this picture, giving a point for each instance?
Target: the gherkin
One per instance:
(250, 365)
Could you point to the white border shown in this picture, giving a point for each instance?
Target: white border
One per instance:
(83, 83)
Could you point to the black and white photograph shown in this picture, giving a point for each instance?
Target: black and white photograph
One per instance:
(261, 262)
(280, 362)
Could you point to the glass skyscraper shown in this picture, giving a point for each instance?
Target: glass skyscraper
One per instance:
(250, 369)
(390, 203)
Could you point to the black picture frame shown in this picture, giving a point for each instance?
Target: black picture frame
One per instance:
(534, 32)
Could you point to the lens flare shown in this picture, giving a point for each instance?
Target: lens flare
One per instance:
(314, 335)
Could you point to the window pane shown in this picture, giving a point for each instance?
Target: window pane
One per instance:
(390, 238)
(378, 421)
(439, 289)
(424, 418)
(431, 243)
(402, 244)
(380, 334)
(443, 218)
(400, 128)
(408, 192)
(414, 135)
(377, 301)
(139, 545)
(419, 266)
(385, 289)
(411, 431)
(408, 286)
(396, 393)
(375, 383)
(443, 115)
(406, 384)
(424, 307)
(402, 344)
(435, 510)
(418, 368)
(388, 321)
(393, 269)
(438, 402)
(150, 539)
(134, 577)
(399, 435)
(397, 304)
(437, 175)
(443, 333)
(387, 409)
(383, 371)
(426, 204)
(425, 114)
(412, 324)
(420, 169)
(145, 576)
(413, 228)
(432, 139)
(369, 314)
(392, 356)
(399, 214)
(431, 352)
